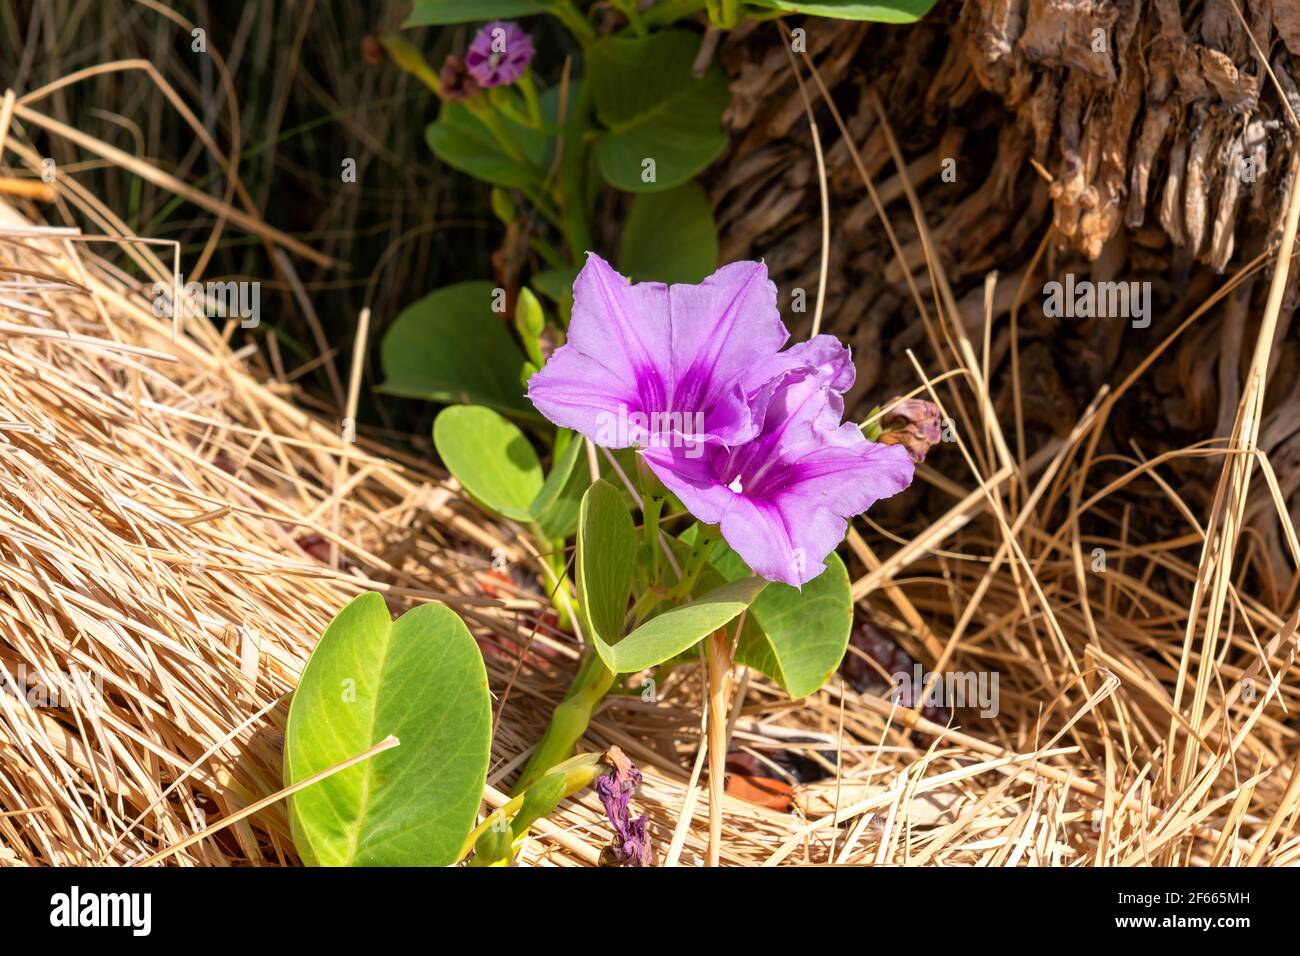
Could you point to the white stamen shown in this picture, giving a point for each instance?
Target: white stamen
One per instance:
(736, 486)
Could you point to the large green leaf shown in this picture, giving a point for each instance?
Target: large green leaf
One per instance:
(887, 11)
(607, 544)
(421, 680)
(461, 141)
(450, 347)
(672, 632)
(654, 108)
(669, 236)
(437, 12)
(490, 457)
(795, 637)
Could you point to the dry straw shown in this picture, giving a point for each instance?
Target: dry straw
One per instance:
(175, 533)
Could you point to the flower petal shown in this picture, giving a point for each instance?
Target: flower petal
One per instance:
(626, 328)
(783, 544)
(616, 363)
(722, 329)
(788, 536)
(576, 391)
(823, 353)
(693, 479)
(847, 475)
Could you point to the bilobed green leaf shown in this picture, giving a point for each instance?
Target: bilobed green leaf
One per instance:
(555, 509)
(795, 637)
(450, 347)
(654, 108)
(669, 237)
(420, 679)
(607, 544)
(490, 457)
(672, 632)
(886, 11)
(438, 12)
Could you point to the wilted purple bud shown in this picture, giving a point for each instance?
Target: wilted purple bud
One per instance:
(456, 82)
(499, 54)
(631, 846)
(914, 424)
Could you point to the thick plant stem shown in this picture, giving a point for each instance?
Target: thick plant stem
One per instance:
(719, 667)
(570, 720)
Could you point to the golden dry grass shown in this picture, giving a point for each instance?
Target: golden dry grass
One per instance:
(173, 526)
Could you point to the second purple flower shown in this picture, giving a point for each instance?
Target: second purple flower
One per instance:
(499, 54)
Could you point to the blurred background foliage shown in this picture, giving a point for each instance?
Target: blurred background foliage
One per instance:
(305, 98)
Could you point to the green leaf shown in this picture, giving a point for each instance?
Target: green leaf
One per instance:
(655, 108)
(461, 141)
(450, 347)
(555, 509)
(556, 284)
(421, 680)
(437, 12)
(672, 632)
(795, 637)
(491, 459)
(888, 11)
(607, 544)
(669, 237)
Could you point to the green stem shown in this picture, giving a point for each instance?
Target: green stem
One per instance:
(629, 9)
(573, 174)
(643, 605)
(508, 105)
(570, 720)
(489, 118)
(652, 507)
(572, 18)
(705, 538)
(512, 820)
(563, 596)
(547, 252)
(531, 100)
(543, 206)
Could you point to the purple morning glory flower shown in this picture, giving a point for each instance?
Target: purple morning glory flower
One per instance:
(782, 500)
(653, 365)
(499, 54)
(749, 437)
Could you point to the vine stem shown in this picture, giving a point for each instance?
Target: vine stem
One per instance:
(719, 668)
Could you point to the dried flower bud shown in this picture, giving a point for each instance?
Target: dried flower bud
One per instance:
(457, 82)
(915, 424)
(631, 846)
(372, 51)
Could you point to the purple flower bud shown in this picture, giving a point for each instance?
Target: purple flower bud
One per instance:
(499, 54)
(631, 846)
(915, 424)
